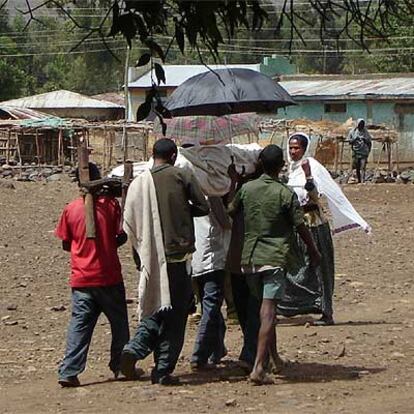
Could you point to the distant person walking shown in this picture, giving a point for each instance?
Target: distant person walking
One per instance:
(360, 141)
(95, 279)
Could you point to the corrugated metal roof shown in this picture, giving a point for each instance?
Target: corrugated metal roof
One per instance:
(10, 112)
(60, 99)
(114, 97)
(402, 88)
(175, 75)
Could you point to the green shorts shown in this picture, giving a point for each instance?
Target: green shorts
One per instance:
(268, 284)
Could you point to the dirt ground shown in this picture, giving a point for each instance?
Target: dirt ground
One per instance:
(363, 364)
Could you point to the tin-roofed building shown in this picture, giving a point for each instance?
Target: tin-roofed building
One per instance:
(379, 99)
(67, 104)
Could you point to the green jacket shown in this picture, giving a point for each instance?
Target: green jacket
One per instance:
(271, 212)
(179, 199)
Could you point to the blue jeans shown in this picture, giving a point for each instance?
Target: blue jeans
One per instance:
(248, 312)
(87, 304)
(211, 329)
(163, 333)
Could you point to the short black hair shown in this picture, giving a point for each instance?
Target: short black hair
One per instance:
(303, 142)
(94, 173)
(164, 149)
(271, 159)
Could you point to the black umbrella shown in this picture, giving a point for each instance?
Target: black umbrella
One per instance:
(227, 91)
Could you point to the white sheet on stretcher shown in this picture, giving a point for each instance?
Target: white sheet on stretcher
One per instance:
(209, 164)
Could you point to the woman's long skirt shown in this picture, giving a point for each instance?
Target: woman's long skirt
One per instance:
(311, 290)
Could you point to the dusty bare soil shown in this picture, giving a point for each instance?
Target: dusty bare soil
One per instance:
(363, 364)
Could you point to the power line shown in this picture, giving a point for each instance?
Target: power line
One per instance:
(283, 53)
(98, 41)
(56, 12)
(254, 39)
(234, 48)
(240, 29)
(61, 53)
(62, 43)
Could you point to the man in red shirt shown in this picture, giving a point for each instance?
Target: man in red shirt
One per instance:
(95, 279)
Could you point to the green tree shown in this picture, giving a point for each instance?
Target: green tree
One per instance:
(12, 76)
(71, 48)
(401, 42)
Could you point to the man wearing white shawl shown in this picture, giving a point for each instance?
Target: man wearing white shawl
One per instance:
(158, 218)
(309, 290)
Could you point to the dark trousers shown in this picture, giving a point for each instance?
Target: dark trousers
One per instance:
(87, 305)
(248, 313)
(360, 164)
(163, 332)
(209, 342)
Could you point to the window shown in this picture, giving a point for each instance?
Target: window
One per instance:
(335, 107)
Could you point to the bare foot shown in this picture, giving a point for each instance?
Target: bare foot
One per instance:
(260, 378)
(280, 364)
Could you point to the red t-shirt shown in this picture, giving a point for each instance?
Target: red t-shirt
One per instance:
(94, 262)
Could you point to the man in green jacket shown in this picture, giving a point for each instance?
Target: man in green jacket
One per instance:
(271, 213)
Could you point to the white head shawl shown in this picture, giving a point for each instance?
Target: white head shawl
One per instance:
(344, 216)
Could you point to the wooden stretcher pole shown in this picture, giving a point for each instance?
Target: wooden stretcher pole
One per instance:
(128, 174)
(128, 166)
(83, 165)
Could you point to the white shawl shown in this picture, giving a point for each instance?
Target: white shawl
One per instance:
(344, 216)
(143, 225)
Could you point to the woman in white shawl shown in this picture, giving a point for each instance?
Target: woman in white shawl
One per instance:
(311, 290)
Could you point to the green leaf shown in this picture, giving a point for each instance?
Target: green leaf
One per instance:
(163, 124)
(130, 4)
(179, 37)
(143, 60)
(155, 48)
(141, 27)
(162, 110)
(259, 16)
(143, 111)
(151, 94)
(115, 28)
(128, 26)
(159, 73)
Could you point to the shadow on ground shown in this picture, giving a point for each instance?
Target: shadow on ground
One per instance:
(230, 371)
(317, 372)
(303, 320)
(297, 372)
